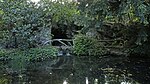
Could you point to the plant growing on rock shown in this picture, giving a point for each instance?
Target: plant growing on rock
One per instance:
(84, 45)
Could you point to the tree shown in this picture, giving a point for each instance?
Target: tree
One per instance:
(29, 24)
(23, 20)
(133, 14)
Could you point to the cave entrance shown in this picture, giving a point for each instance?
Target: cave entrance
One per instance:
(60, 37)
(59, 34)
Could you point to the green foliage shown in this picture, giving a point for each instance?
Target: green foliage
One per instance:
(84, 45)
(19, 59)
(33, 54)
(61, 11)
(41, 53)
(4, 80)
(93, 14)
(21, 21)
(24, 20)
(97, 13)
(115, 11)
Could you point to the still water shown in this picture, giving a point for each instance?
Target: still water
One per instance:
(77, 70)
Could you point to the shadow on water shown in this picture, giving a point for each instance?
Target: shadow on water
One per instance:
(77, 70)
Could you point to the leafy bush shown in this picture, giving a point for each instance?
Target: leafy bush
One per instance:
(84, 45)
(41, 53)
(23, 21)
(33, 54)
(20, 59)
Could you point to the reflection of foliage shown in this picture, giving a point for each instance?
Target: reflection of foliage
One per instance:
(111, 70)
(84, 45)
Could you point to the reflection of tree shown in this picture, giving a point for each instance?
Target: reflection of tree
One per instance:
(51, 71)
(38, 72)
(139, 68)
(57, 76)
(86, 67)
(110, 69)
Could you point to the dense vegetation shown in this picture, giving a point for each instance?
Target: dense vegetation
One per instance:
(105, 33)
(84, 45)
(26, 24)
(119, 23)
(126, 20)
(31, 55)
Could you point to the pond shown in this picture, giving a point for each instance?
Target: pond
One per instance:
(77, 70)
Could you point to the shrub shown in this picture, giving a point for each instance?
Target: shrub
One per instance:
(84, 45)
(33, 54)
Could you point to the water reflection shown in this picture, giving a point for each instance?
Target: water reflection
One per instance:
(96, 81)
(73, 70)
(65, 82)
(87, 81)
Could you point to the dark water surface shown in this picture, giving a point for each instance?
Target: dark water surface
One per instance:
(73, 70)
